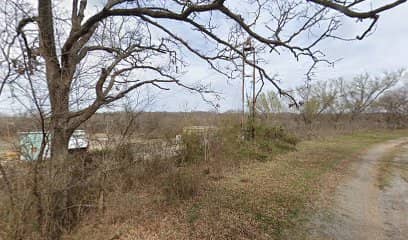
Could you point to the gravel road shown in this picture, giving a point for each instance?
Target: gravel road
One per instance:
(360, 210)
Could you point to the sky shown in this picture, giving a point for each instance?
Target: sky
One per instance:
(385, 49)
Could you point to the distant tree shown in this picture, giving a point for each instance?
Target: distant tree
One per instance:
(360, 94)
(268, 103)
(395, 104)
(338, 108)
(317, 98)
(310, 110)
(89, 57)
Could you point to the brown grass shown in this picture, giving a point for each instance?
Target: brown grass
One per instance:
(255, 200)
(389, 166)
(262, 189)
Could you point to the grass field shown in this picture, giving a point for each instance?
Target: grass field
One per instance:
(277, 196)
(272, 199)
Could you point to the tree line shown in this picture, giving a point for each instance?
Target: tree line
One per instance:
(363, 93)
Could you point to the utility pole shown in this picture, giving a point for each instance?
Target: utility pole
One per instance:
(248, 47)
(243, 91)
(253, 95)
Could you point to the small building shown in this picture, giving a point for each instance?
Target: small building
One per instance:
(30, 144)
(199, 130)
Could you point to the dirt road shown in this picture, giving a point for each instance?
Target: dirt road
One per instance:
(360, 210)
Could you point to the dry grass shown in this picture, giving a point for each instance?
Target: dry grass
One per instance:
(237, 190)
(271, 199)
(389, 166)
(386, 168)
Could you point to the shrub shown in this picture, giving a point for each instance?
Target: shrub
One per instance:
(181, 184)
(193, 149)
(199, 147)
(276, 133)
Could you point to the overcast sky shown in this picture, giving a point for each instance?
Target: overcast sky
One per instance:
(385, 50)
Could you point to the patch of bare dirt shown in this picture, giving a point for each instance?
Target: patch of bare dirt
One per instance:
(394, 200)
(360, 210)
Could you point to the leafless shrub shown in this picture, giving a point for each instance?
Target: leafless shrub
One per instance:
(181, 184)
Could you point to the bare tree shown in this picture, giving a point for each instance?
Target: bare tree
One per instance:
(395, 105)
(316, 99)
(340, 97)
(361, 93)
(268, 103)
(8, 56)
(123, 45)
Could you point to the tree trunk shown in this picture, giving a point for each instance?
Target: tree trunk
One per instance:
(59, 77)
(58, 198)
(59, 138)
(59, 143)
(60, 127)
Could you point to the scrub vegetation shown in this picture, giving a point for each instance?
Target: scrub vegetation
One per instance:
(218, 185)
(96, 66)
(200, 175)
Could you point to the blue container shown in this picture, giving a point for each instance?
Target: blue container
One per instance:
(30, 145)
